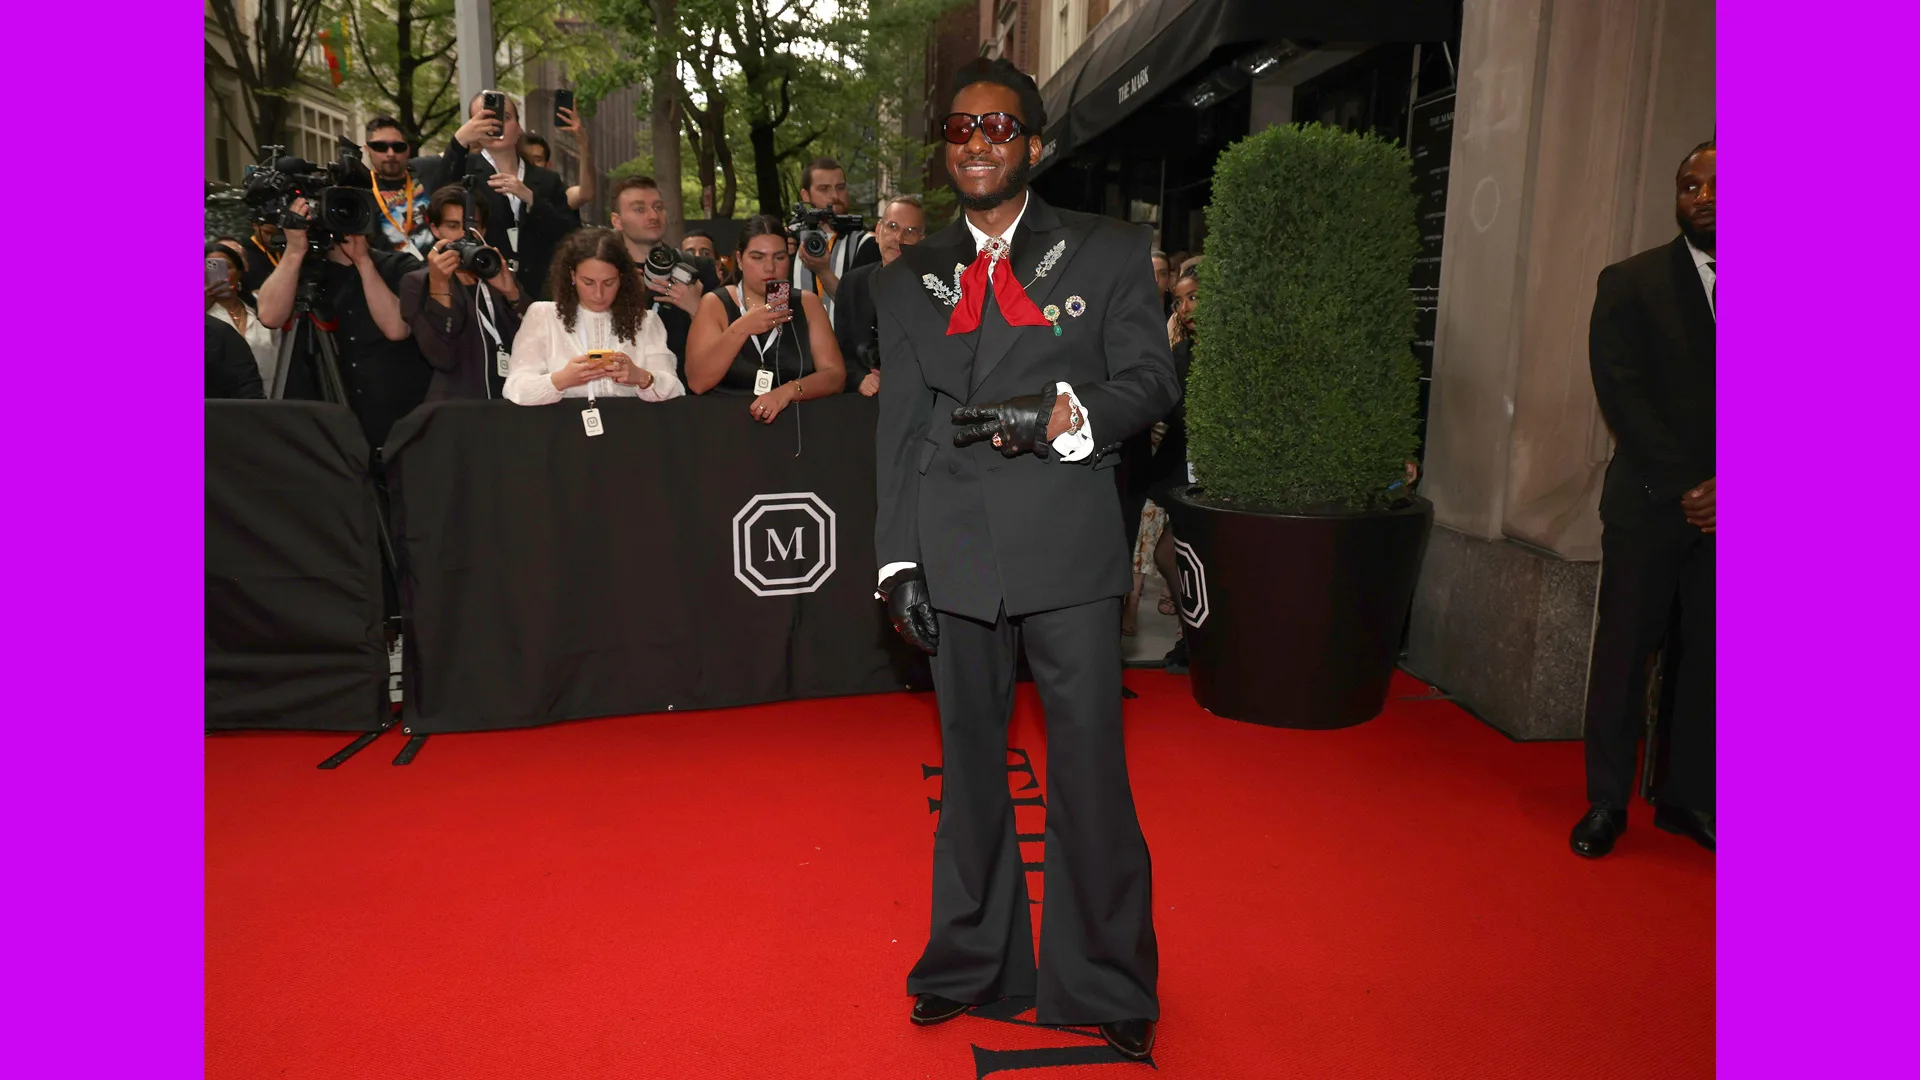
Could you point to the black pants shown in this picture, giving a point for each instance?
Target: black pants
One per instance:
(1641, 573)
(1098, 958)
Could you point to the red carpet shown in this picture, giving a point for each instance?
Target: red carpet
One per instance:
(741, 893)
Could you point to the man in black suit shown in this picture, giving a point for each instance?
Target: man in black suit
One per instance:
(1652, 350)
(527, 211)
(1015, 342)
(903, 223)
(639, 215)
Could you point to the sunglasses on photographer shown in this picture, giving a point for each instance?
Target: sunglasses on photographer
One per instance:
(998, 127)
(388, 147)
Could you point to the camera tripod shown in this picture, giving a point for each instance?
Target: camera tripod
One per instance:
(311, 344)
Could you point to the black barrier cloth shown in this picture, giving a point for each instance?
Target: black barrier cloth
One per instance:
(294, 610)
(665, 564)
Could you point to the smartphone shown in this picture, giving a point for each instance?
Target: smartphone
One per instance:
(777, 293)
(600, 356)
(496, 103)
(217, 269)
(562, 99)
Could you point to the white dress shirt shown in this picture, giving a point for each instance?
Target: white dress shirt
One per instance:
(261, 339)
(544, 345)
(1071, 445)
(521, 175)
(1704, 264)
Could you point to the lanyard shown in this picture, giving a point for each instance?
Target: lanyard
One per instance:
(271, 257)
(772, 336)
(485, 309)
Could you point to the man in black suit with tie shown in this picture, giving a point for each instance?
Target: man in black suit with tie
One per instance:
(1016, 343)
(527, 213)
(1652, 350)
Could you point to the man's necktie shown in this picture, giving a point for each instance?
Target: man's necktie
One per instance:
(1014, 305)
(1713, 291)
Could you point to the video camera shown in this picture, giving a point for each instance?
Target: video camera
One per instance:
(339, 195)
(809, 227)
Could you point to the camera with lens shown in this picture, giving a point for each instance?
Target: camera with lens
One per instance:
(476, 257)
(810, 225)
(339, 195)
(666, 266)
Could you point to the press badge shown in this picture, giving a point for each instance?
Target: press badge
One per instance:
(591, 419)
(762, 382)
(501, 359)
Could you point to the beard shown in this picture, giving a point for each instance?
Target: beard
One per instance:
(1015, 183)
(1702, 238)
(392, 173)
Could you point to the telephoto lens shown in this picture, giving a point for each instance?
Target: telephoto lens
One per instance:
(659, 266)
(476, 258)
(813, 242)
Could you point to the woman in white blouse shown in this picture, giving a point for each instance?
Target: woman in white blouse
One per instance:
(226, 303)
(599, 305)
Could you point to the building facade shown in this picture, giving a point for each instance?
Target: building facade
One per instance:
(317, 115)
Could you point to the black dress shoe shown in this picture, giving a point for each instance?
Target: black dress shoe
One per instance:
(1695, 825)
(1132, 1038)
(932, 1009)
(1595, 834)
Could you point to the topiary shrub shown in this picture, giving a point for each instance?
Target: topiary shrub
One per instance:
(1304, 390)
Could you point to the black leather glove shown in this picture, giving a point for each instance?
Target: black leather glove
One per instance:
(1020, 423)
(910, 610)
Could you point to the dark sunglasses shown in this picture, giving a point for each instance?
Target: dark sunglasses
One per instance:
(387, 147)
(998, 127)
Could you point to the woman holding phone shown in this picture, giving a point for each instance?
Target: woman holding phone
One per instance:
(225, 302)
(749, 339)
(597, 337)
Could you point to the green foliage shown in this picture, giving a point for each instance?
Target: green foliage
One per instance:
(1304, 389)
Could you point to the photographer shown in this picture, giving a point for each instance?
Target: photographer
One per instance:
(903, 221)
(640, 216)
(357, 288)
(823, 184)
(527, 210)
(739, 345)
(462, 316)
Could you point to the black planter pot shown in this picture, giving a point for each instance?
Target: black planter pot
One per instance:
(1294, 620)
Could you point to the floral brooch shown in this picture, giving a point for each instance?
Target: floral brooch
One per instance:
(946, 294)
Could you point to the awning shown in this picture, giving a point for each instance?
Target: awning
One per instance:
(1166, 40)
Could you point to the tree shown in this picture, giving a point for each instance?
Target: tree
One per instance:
(408, 55)
(266, 62)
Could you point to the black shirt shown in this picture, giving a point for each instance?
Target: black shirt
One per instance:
(384, 379)
(678, 322)
(231, 372)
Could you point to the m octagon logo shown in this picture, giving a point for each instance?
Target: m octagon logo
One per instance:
(784, 544)
(1194, 607)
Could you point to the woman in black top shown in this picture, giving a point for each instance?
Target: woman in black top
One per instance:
(736, 337)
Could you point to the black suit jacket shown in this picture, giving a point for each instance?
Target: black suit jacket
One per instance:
(543, 223)
(1032, 532)
(856, 325)
(1651, 346)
